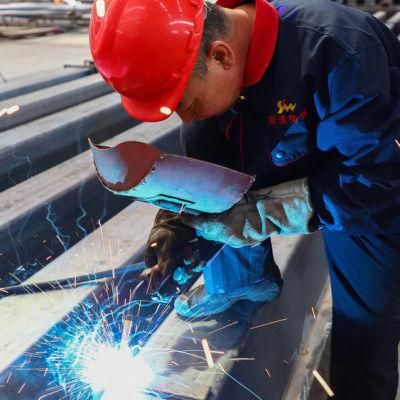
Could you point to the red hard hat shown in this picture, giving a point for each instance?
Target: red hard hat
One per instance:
(146, 50)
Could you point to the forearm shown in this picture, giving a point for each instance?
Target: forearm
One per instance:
(283, 209)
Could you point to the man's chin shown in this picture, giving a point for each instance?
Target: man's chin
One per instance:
(204, 117)
(224, 111)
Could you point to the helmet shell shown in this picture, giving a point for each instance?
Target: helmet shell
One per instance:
(146, 51)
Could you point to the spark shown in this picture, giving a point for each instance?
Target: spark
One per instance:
(111, 256)
(50, 394)
(148, 286)
(268, 323)
(269, 375)
(48, 249)
(38, 261)
(207, 352)
(243, 359)
(220, 250)
(126, 332)
(322, 382)
(23, 364)
(15, 277)
(118, 245)
(9, 110)
(21, 388)
(13, 109)
(58, 237)
(101, 233)
(224, 327)
(191, 330)
(397, 142)
(313, 312)
(166, 309)
(238, 382)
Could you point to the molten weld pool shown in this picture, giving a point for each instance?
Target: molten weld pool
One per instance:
(114, 372)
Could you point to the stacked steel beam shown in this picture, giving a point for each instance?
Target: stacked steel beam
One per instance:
(19, 20)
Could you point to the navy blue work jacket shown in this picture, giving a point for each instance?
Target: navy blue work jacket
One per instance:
(327, 107)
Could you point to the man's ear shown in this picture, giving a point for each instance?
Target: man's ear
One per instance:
(221, 53)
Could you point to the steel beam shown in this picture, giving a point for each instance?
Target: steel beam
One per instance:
(40, 81)
(66, 198)
(19, 110)
(38, 145)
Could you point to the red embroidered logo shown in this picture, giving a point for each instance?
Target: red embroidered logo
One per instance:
(286, 114)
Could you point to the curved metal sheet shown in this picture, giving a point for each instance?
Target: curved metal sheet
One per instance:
(124, 166)
(141, 171)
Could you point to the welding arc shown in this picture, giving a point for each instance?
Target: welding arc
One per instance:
(70, 283)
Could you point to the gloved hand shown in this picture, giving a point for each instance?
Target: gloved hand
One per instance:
(168, 244)
(283, 209)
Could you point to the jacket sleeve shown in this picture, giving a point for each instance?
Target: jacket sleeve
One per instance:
(358, 189)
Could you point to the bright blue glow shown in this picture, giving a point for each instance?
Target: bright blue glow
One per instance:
(115, 371)
(90, 360)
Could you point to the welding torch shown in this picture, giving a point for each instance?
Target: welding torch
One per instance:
(197, 254)
(70, 283)
(193, 264)
(180, 276)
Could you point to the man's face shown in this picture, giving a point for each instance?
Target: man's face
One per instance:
(211, 95)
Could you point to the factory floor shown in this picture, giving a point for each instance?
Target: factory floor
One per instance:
(29, 56)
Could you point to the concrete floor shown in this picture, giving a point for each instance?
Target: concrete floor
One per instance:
(28, 56)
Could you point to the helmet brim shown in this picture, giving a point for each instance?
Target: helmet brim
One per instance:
(148, 112)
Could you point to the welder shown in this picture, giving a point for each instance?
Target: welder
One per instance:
(305, 96)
